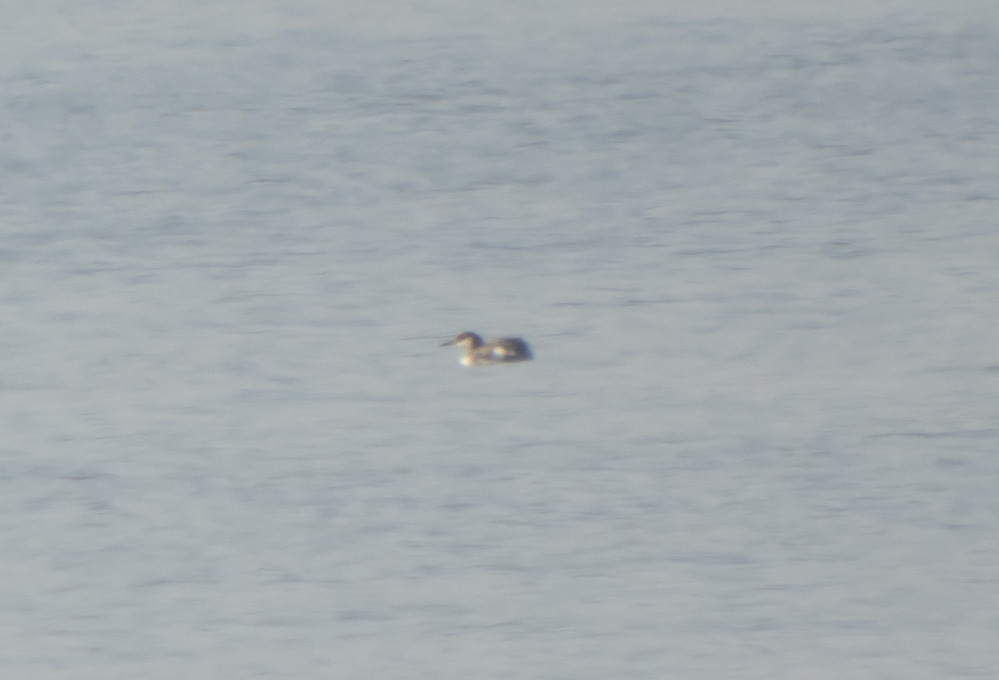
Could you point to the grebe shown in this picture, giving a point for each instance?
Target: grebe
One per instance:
(501, 351)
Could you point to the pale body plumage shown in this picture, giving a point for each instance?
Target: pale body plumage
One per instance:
(499, 351)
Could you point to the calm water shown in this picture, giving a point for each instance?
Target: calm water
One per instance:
(756, 258)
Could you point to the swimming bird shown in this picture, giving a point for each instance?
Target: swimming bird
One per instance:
(500, 351)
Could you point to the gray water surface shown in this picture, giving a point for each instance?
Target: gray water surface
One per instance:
(756, 258)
